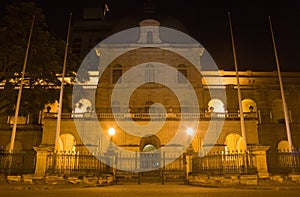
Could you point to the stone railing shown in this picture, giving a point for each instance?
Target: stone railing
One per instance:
(153, 116)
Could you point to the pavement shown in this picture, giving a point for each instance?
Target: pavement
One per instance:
(263, 184)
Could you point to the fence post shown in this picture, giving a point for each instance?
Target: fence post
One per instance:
(41, 161)
(163, 169)
(260, 159)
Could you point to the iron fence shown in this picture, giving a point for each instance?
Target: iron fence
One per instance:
(150, 167)
(283, 162)
(17, 163)
(224, 163)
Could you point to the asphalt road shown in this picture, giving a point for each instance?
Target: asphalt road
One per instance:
(145, 190)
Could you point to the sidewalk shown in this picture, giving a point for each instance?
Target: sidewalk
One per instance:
(263, 184)
(41, 185)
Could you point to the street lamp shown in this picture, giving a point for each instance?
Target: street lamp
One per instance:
(190, 132)
(111, 133)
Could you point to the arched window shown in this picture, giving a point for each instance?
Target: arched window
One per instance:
(216, 105)
(149, 148)
(182, 74)
(249, 105)
(149, 37)
(117, 74)
(83, 106)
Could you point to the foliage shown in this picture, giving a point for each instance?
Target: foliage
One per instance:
(45, 58)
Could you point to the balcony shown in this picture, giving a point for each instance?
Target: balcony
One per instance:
(154, 116)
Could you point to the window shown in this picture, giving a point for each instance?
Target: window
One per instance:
(182, 74)
(117, 74)
(149, 74)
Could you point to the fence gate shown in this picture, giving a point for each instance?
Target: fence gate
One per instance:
(150, 167)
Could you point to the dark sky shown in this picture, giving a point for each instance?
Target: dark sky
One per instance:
(207, 22)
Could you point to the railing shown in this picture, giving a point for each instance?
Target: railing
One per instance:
(153, 116)
(150, 166)
(17, 163)
(283, 162)
(76, 163)
(224, 163)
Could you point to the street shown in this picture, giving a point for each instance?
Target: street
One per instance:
(134, 190)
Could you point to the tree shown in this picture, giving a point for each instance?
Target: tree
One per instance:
(44, 61)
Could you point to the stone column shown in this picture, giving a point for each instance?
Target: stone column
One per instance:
(41, 161)
(260, 159)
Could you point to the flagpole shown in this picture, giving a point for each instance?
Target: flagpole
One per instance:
(14, 129)
(238, 85)
(285, 110)
(57, 134)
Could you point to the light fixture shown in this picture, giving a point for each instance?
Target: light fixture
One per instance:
(111, 131)
(189, 131)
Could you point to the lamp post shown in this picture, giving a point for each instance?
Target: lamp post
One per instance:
(189, 132)
(111, 133)
(110, 151)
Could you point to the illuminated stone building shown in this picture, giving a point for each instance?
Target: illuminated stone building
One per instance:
(218, 111)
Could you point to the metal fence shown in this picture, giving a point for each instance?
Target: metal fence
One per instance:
(150, 167)
(17, 163)
(283, 162)
(76, 163)
(224, 163)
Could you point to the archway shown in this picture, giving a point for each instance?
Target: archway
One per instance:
(67, 143)
(216, 105)
(283, 146)
(249, 105)
(150, 157)
(150, 141)
(83, 106)
(234, 142)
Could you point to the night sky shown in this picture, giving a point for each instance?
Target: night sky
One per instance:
(207, 22)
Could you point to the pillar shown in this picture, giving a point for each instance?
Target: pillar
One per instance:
(41, 161)
(260, 159)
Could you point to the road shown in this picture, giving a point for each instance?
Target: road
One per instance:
(145, 190)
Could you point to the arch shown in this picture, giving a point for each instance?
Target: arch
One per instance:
(234, 142)
(150, 140)
(249, 105)
(216, 105)
(51, 107)
(83, 105)
(149, 148)
(283, 146)
(67, 143)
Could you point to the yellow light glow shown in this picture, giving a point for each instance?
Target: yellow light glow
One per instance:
(111, 131)
(189, 131)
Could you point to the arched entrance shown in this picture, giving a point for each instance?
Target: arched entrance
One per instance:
(150, 153)
(234, 142)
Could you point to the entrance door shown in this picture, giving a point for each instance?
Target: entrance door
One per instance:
(150, 158)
